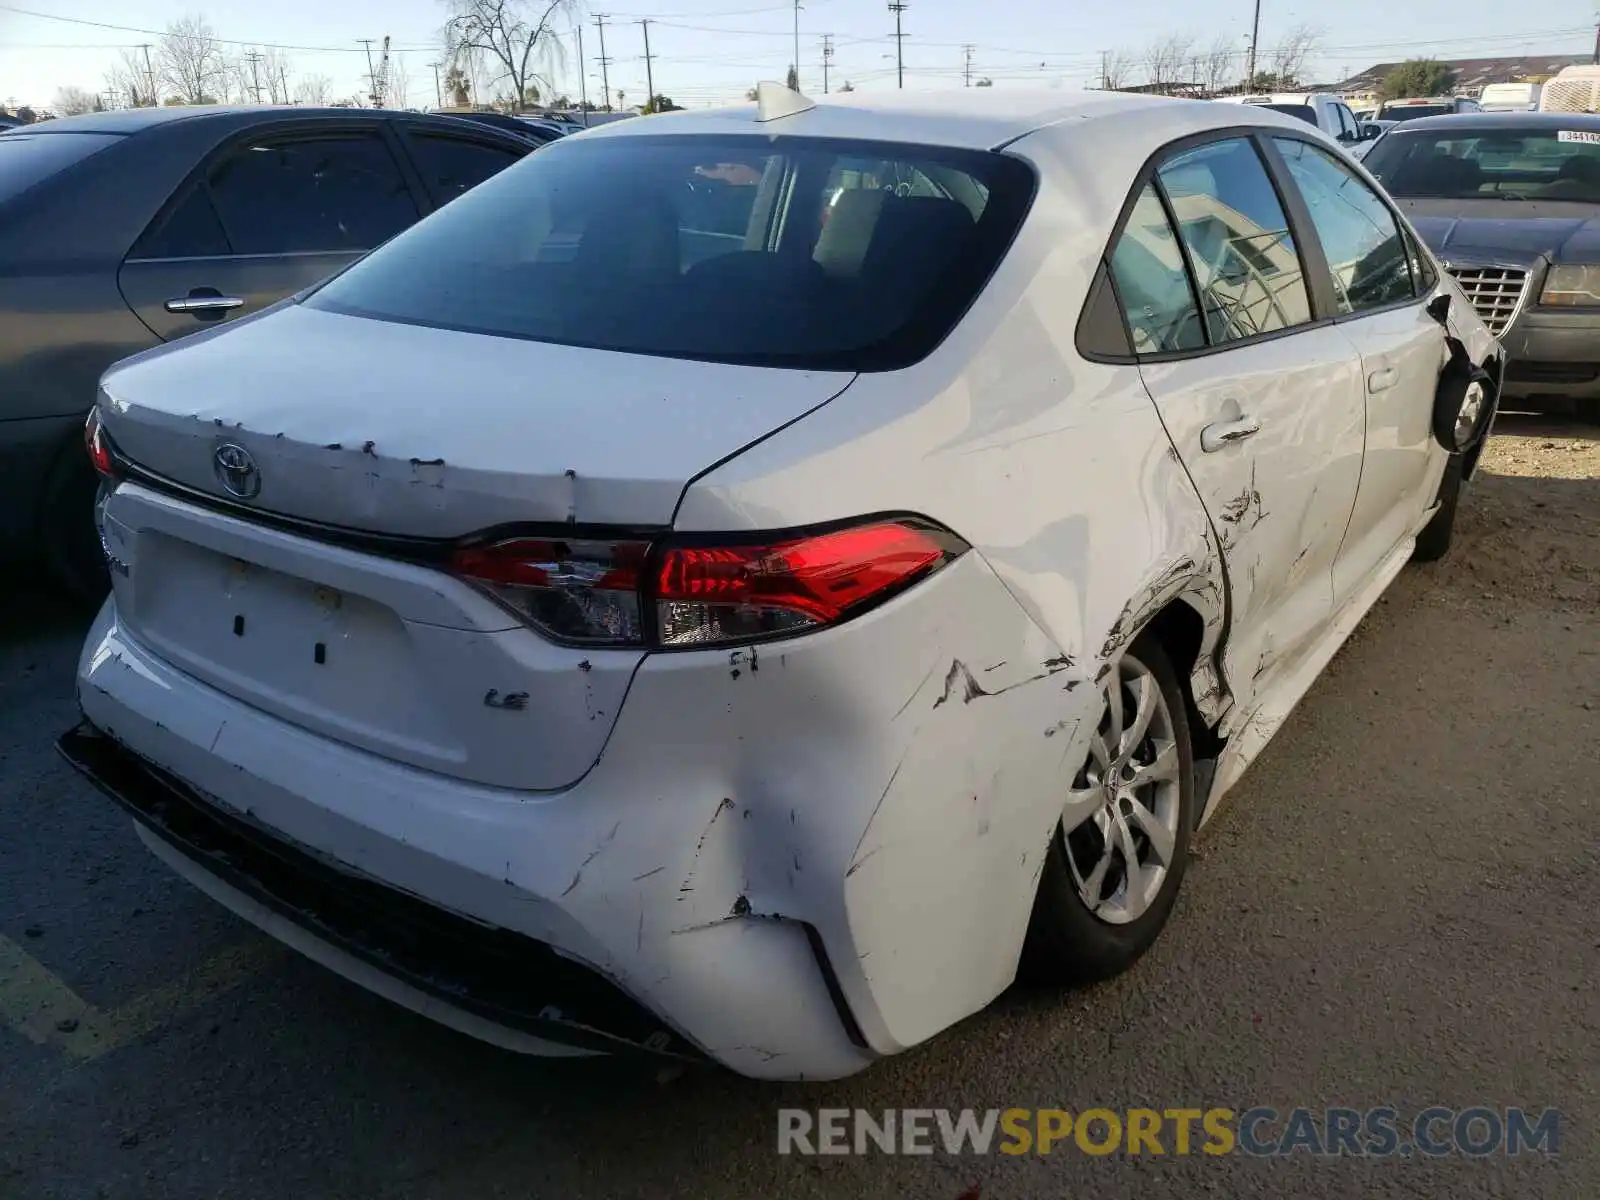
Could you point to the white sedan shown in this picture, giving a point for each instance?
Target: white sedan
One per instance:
(743, 585)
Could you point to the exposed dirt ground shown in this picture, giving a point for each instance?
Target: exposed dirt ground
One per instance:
(1396, 906)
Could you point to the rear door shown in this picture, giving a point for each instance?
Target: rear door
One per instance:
(265, 217)
(1261, 398)
(1381, 309)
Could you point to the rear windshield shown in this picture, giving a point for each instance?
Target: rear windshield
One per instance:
(30, 158)
(1410, 112)
(1304, 111)
(1503, 163)
(823, 254)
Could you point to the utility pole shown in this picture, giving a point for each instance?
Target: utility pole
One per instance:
(372, 79)
(1597, 42)
(1105, 70)
(605, 77)
(438, 88)
(583, 78)
(149, 75)
(966, 69)
(1255, 32)
(827, 59)
(253, 57)
(897, 7)
(649, 79)
(797, 45)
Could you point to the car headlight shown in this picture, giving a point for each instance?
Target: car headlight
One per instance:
(1572, 287)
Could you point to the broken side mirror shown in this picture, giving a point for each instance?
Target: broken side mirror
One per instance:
(1439, 308)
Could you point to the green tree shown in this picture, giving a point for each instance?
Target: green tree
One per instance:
(660, 104)
(792, 80)
(1418, 77)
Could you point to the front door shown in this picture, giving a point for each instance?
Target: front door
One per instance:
(1381, 292)
(1263, 405)
(271, 216)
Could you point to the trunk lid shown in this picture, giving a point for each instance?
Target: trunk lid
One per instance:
(423, 432)
(393, 656)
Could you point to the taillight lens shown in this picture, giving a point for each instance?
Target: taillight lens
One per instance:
(98, 445)
(706, 595)
(575, 591)
(701, 595)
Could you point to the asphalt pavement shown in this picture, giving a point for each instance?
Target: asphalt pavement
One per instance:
(1396, 907)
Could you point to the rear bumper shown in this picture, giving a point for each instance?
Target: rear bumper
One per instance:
(1553, 354)
(791, 865)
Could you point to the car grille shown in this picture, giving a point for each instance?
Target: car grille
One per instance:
(1496, 292)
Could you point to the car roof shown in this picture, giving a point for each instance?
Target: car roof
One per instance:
(960, 119)
(1507, 120)
(133, 120)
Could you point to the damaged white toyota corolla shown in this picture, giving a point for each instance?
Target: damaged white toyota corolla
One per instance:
(743, 585)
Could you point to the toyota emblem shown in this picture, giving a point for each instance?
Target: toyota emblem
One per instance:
(237, 471)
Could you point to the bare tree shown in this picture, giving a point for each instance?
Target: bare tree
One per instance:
(1116, 69)
(1166, 60)
(398, 93)
(275, 71)
(457, 87)
(518, 36)
(313, 91)
(73, 101)
(1293, 50)
(1216, 65)
(134, 76)
(193, 65)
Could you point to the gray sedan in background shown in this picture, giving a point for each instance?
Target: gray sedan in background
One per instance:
(123, 230)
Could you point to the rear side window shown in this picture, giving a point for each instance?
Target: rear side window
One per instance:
(1152, 282)
(815, 253)
(190, 229)
(330, 194)
(1359, 234)
(30, 158)
(1245, 263)
(452, 165)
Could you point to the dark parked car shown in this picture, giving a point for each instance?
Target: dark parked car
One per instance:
(1511, 203)
(8, 122)
(123, 230)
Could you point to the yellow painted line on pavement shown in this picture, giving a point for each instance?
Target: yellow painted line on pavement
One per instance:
(39, 1005)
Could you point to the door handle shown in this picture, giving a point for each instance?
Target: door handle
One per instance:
(1382, 380)
(203, 304)
(1223, 433)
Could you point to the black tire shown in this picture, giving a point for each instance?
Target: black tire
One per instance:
(1067, 942)
(1433, 543)
(68, 539)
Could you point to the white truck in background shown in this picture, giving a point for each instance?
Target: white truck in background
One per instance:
(1326, 111)
(1574, 89)
(1510, 97)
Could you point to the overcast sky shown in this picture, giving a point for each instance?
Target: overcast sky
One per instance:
(710, 51)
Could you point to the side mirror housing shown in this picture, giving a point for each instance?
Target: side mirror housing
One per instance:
(1439, 308)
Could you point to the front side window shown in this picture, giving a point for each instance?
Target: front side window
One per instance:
(1359, 235)
(329, 194)
(1237, 239)
(816, 253)
(452, 165)
(1153, 283)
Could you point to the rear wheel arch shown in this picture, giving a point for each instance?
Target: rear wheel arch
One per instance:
(1181, 630)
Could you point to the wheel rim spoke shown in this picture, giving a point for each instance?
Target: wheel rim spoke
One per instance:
(1097, 877)
(1163, 768)
(1161, 838)
(1146, 696)
(1133, 871)
(1114, 709)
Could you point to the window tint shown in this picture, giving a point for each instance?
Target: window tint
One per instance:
(1237, 239)
(1347, 123)
(452, 165)
(1522, 162)
(1303, 111)
(322, 194)
(1152, 282)
(1358, 233)
(733, 248)
(30, 158)
(1423, 276)
(189, 230)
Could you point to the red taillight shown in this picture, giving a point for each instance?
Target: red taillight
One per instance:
(599, 592)
(576, 591)
(98, 445)
(736, 593)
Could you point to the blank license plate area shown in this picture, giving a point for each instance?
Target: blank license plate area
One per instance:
(322, 657)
